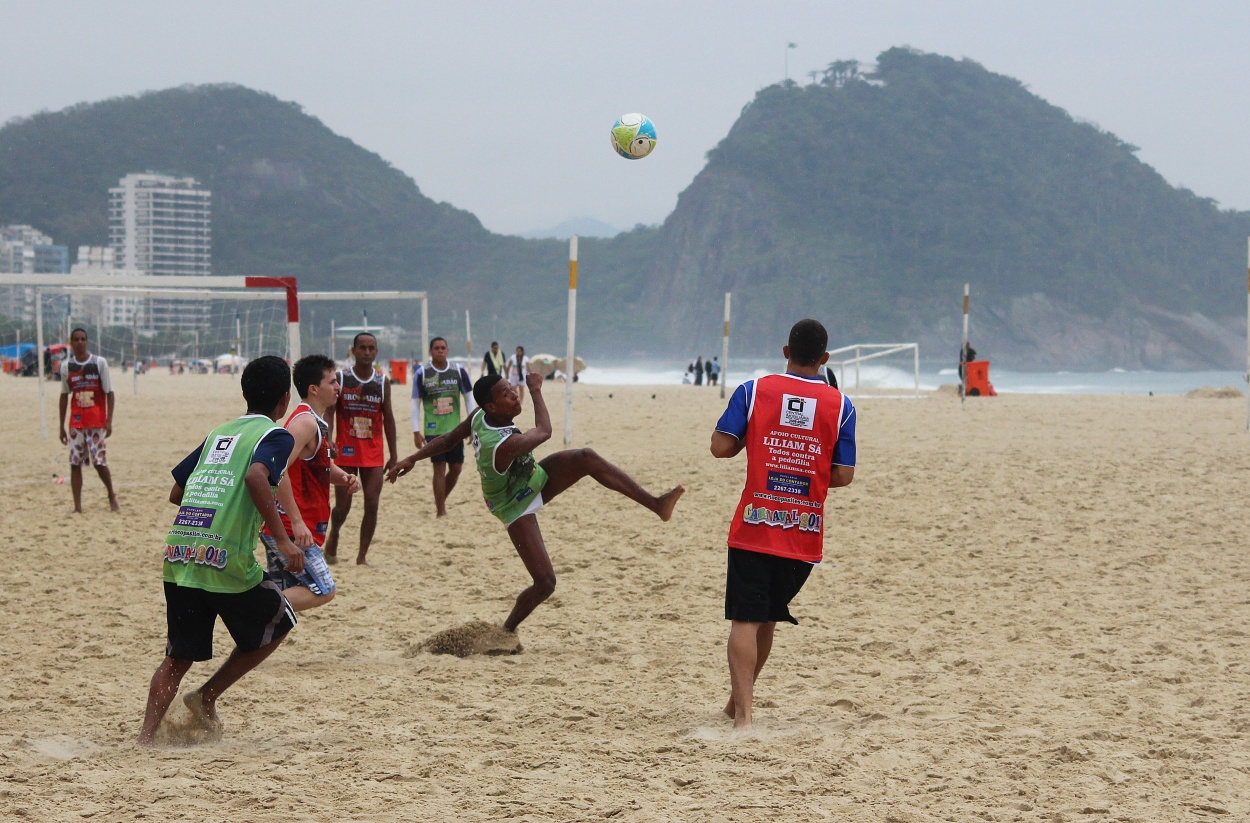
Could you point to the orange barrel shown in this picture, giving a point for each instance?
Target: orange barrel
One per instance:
(979, 384)
(399, 371)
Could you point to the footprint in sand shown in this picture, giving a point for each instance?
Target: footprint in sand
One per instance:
(476, 637)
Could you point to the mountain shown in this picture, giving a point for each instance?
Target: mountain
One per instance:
(866, 199)
(580, 226)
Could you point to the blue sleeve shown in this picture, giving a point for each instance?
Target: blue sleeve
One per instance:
(844, 449)
(183, 470)
(418, 384)
(466, 383)
(734, 421)
(272, 452)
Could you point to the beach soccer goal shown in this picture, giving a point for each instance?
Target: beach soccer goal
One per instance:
(898, 357)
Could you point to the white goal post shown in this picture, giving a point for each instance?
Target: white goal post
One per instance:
(863, 352)
(210, 287)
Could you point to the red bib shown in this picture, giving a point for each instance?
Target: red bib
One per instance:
(358, 420)
(792, 428)
(310, 482)
(88, 405)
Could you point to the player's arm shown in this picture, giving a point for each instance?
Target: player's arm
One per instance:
(725, 445)
(338, 477)
(730, 434)
(466, 391)
(844, 449)
(329, 418)
(63, 404)
(108, 425)
(388, 424)
(182, 472)
(258, 488)
(109, 397)
(414, 408)
(525, 442)
(433, 446)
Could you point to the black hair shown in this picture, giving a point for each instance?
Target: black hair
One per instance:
(808, 340)
(264, 381)
(435, 340)
(521, 349)
(79, 329)
(356, 339)
(484, 388)
(494, 342)
(309, 371)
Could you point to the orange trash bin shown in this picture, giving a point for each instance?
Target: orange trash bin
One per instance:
(979, 384)
(399, 372)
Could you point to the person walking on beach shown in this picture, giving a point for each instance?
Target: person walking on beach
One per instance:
(361, 419)
(518, 369)
(714, 371)
(494, 362)
(799, 436)
(87, 394)
(698, 370)
(516, 486)
(437, 389)
(304, 493)
(225, 490)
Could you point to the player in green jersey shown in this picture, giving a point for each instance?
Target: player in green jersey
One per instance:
(516, 486)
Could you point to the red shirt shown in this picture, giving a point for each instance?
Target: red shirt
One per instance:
(310, 482)
(358, 419)
(791, 432)
(88, 402)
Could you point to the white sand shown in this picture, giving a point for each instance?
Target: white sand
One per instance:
(1033, 608)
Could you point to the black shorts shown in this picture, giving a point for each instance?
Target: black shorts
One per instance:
(456, 455)
(759, 587)
(255, 618)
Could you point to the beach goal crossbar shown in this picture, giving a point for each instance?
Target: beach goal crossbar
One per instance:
(864, 352)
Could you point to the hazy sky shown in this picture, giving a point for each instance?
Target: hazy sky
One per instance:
(503, 108)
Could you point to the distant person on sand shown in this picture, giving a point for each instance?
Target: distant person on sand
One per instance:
(799, 435)
(698, 370)
(516, 486)
(361, 420)
(714, 371)
(87, 393)
(707, 371)
(518, 369)
(437, 389)
(966, 355)
(494, 362)
(304, 493)
(225, 490)
(828, 376)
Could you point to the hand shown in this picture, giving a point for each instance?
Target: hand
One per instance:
(418, 440)
(64, 438)
(294, 557)
(391, 462)
(303, 537)
(353, 484)
(108, 429)
(401, 468)
(534, 381)
(334, 449)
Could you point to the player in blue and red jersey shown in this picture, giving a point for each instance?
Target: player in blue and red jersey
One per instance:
(799, 436)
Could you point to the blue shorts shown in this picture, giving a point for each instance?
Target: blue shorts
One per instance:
(455, 455)
(315, 577)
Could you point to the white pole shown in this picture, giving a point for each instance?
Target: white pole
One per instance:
(1248, 334)
(963, 353)
(468, 334)
(425, 326)
(570, 362)
(134, 345)
(196, 332)
(260, 339)
(364, 316)
(916, 368)
(857, 368)
(293, 343)
(724, 349)
(238, 344)
(334, 355)
(43, 407)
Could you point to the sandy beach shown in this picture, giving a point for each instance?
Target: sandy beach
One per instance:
(1032, 608)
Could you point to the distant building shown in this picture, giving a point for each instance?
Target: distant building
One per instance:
(26, 250)
(104, 310)
(162, 225)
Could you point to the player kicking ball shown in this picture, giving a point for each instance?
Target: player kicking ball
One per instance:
(516, 486)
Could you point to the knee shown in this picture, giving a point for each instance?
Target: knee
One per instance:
(544, 587)
(588, 455)
(326, 598)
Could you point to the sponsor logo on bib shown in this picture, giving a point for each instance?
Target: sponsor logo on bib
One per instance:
(221, 449)
(798, 412)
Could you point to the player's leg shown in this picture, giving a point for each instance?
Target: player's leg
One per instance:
(342, 505)
(259, 620)
(161, 692)
(453, 475)
(77, 453)
(439, 481)
(75, 486)
(371, 485)
(99, 459)
(565, 468)
(763, 645)
(528, 541)
(106, 478)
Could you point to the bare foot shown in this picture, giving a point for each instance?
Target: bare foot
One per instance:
(113, 504)
(729, 708)
(331, 559)
(360, 560)
(668, 502)
(205, 714)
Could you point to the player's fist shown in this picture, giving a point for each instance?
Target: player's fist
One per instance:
(534, 381)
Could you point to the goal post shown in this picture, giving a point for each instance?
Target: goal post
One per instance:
(857, 353)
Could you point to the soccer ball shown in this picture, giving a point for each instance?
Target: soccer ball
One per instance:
(633, 136)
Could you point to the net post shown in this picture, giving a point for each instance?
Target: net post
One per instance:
(724, 349)
(570, 361)
(963, 353)
(43, 404)
(425, 326)
(916, 367)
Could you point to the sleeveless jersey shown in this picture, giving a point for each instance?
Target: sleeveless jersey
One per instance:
(310, 481)
(508, 494)
(213, 538)
(494, 362)
(88, 404)
(792, 428)
(358, 419)
(440, 398)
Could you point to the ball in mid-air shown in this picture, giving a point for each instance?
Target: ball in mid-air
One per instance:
(633, 136)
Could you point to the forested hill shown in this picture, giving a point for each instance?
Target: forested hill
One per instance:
(872, 198)
(866, 199)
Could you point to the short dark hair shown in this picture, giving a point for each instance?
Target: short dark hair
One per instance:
(494, 342)
(484, 389)
(808, 341)
(264, 381)
(435, 340)
(356, 339)
(521, 349)
(79, 329)
(309, 371)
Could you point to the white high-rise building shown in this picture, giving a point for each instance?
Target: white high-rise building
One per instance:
(162, 225)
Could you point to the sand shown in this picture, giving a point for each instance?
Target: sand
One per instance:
(1033, 608)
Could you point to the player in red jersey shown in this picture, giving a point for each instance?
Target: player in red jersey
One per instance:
(87, 393)
(799, 436)
(304, 493)
(360, 419)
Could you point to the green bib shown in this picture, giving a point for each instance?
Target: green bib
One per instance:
(212, 543)
(441, 398)
(509, 494)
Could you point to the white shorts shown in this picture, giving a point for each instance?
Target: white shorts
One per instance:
(84, 443)
(534, 506)
(513, 380)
